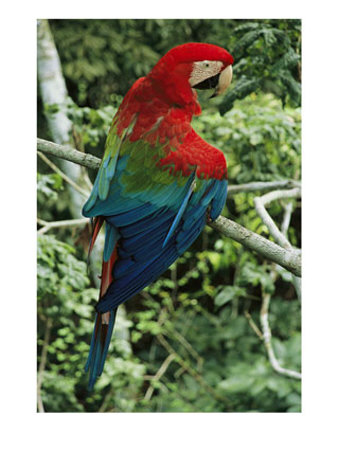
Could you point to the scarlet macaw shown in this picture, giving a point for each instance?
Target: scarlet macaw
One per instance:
(158, 183)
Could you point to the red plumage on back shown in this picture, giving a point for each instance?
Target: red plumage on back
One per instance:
(194, 150)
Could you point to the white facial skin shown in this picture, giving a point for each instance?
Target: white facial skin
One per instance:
(203, 70)
(206, 69)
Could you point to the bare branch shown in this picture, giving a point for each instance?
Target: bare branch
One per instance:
(288, 208)
(279, 236)
(289, 259)
(253, 325)
(297, 282)
(262, 186)
(69, 153)
(260, 203)
(63, 175)
(60, 224)
(264, 319)
(161, 371)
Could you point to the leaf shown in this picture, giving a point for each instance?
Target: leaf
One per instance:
(227, 294)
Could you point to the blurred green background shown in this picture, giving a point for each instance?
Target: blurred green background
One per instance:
(185, 343)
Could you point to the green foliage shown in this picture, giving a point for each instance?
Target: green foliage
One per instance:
(90, 124)
(268, 57)
(225, 354)
(47, 185)
(260, 138)
(66, 305)
(197, 308)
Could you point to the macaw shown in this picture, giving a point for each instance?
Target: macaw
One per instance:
(158, 183)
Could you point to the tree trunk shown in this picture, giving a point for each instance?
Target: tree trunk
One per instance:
(54, 96)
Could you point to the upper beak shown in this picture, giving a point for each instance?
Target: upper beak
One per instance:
(224, 81)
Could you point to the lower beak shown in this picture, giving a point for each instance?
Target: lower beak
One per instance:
(223, 81)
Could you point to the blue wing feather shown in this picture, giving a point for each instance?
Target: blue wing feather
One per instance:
(218, 201)
(190, 183)
(141, 255)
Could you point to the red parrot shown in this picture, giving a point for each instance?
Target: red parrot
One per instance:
(158, 183)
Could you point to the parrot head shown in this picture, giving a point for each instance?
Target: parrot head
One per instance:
(193, 66)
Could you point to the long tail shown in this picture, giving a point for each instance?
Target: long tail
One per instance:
(103, 328)
(104, 323)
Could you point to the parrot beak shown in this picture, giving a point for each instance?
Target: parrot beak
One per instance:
(224, 81)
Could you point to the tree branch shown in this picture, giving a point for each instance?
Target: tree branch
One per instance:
(288, 208)
(63, 175)
(260, 203)
(280, 236)
(297, 282)
(69, 153)
(46, 226)
(289, 259)
(161, 371)
(262, 186)
(266, 335)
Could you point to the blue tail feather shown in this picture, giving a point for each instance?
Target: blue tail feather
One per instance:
(99, 347)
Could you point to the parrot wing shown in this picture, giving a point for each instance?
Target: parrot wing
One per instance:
(151, 215)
